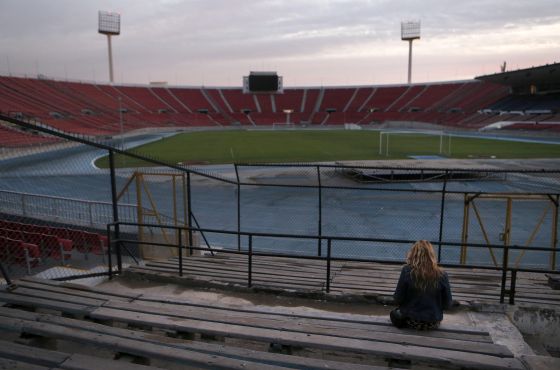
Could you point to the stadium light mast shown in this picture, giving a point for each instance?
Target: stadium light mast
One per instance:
(410, 31)
(110, 25)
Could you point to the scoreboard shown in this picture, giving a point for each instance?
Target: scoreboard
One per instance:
(265, 82)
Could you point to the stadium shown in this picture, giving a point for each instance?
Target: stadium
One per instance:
(255, 226)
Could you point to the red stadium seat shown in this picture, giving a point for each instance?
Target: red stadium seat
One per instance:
(94, 243)
(78, 239)
(17, 252)
(13, 234)
(454, 104)
(58, 231)
(50, 246)
(55, 242)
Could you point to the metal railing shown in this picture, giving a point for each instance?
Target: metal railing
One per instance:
(115, 246)
(62, 209)
(79, 212)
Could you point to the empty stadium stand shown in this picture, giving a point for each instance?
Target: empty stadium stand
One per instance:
(154, 328)
(531, 103)
(96, 109)
(14, 137)
(28, 244)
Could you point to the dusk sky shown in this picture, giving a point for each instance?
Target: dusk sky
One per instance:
(310, 43)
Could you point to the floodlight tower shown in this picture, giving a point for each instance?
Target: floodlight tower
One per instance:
(410, 31)
(110, 25)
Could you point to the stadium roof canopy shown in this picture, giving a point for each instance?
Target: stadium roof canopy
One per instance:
(544, 78)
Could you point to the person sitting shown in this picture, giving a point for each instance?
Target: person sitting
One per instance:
(423, 290)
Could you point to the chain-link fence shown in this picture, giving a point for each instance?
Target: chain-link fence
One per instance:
(55, 184)
(464, 212)
(55, 204)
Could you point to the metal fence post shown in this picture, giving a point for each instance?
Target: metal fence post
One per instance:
(504, 273)
(512, 286)
(328, 289)
(189, 205)
(180, 252)
(115, 208)
(250, 262)
(22, 204)
(554, 232)
(442, 212)
(320, 226)
(238, 208)
(109, 257)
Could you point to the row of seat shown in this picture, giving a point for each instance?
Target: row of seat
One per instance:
(50, 246)
(549, 102)
(13, 137)
(186, 332)
(28, 244)
(93, 109)
(14, 251)
(452, 104)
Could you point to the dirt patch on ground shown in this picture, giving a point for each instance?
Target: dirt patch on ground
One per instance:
(240, 299)
(246, 300)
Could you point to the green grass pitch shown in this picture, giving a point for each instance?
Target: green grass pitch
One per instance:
(240, 146)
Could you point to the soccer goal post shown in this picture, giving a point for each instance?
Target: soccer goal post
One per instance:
(388, 140)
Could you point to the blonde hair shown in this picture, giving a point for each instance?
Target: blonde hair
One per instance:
(423, 264)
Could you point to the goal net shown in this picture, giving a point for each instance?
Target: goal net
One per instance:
(414, 142)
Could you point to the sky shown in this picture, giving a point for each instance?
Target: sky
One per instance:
(308, 42)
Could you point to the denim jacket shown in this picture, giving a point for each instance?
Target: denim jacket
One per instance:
(422, 305)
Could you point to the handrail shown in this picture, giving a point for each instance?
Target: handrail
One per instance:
(63, 198)
(332, 237)
(329, 258)
(94, 212)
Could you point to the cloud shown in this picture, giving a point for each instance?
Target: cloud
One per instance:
(166, 38)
